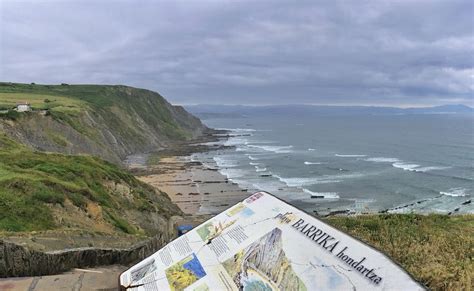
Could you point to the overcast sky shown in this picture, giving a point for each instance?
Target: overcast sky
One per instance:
(248, 52)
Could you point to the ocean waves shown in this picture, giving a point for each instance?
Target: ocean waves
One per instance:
(312, 163)
(411, 167)
(456, 192)
(382, 160)
(252, 158)
(238, 130)
(417, 168)
(350, 156)
(327, 156)
(259, 169)
(275, 149)
(300, 181)
(222, 162)
(236, 141)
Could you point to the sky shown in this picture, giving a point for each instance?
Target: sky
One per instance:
(398, 53)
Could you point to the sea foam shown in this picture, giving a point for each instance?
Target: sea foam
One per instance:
(433, 168)
(350, 156)
(382, 160)
(405, 167)
(416, 167)
(275, 149)
(235, 141)
(224, 163)
(299, 182)
(312, 163)
(456, 192)
(238, 129)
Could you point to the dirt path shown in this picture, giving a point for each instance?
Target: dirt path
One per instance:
(101, 278)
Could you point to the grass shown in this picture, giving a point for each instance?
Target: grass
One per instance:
(436, 249)
(42, 102)
(31, 183)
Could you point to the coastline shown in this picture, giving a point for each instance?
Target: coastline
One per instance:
(198, 189)
(195, 188)
(201, 191)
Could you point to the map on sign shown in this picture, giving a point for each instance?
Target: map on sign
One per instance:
(264, 243)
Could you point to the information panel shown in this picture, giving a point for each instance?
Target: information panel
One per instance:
(263, 243)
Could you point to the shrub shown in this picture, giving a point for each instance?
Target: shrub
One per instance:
(78, 200)
(10, 114)
(48, 196)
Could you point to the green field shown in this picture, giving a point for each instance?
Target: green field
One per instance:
(41, 102)
(438, 250)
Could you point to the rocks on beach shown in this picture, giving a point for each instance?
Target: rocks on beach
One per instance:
(188, 183)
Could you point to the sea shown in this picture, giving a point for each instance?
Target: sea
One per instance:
(351, 164)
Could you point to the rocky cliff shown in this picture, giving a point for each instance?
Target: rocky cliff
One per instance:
(106, 121)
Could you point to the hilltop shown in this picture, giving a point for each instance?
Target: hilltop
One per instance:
(109, 121)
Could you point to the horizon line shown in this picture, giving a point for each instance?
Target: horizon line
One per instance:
(327, 105)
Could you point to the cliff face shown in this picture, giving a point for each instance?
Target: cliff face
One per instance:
(106, 121)
(43, 189)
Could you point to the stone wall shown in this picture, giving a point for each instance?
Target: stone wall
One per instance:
(17, 261)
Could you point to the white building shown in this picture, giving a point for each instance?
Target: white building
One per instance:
(23, 107)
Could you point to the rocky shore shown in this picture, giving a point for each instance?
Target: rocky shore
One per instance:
(196, 188)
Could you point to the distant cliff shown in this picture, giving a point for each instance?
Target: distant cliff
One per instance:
(106, 121)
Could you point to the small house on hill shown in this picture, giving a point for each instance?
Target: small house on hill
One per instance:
(23, 107)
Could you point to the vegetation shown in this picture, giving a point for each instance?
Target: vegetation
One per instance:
(10, 114)
(436, 249)
(135, 117)
(153, 159)
(41, 102)
(34, 184)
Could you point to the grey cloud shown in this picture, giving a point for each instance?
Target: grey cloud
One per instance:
(252, 52)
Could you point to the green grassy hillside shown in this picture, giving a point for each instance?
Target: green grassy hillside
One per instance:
(436, 249)
(44, 191)
(107, 121)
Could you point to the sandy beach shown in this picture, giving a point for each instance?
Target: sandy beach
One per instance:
(195, 188)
